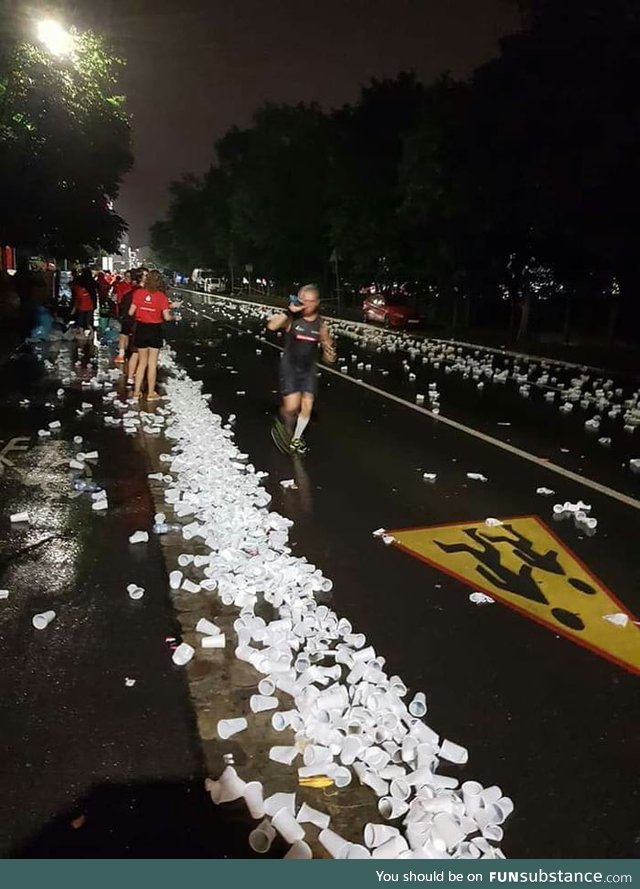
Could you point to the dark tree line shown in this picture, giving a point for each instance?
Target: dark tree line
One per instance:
(514, 189)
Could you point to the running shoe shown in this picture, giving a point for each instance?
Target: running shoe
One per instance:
(298, 446)
(281, 437)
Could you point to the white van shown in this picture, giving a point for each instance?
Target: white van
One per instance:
(199, 276)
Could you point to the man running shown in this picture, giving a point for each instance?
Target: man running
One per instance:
(304, 331)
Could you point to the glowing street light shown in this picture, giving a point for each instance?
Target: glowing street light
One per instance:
(55, 38)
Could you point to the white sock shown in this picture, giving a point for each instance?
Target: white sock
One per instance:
(301, 425)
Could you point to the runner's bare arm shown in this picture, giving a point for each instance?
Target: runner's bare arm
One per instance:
(167, 314)
(277, 322)
(327, 344)
(132, 309)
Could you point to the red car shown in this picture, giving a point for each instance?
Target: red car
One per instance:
(392, 310)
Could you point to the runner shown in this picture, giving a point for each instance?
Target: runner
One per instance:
(149, 307)
(138, 277)
(305, 331)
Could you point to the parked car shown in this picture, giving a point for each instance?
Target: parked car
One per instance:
(215, 285)
(391, 309)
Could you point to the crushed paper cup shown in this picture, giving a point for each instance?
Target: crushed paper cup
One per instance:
(139, 537)
(476, 477)
(546, 492)
(481, 599)
(619, 619)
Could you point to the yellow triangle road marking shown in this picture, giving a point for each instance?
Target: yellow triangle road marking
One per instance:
(523, 564)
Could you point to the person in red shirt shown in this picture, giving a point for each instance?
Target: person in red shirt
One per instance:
(83, 295)
(150, 307)
(120, 290)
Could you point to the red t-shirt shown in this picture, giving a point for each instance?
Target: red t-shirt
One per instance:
(81, 299)
(121, 288)
(149, 305)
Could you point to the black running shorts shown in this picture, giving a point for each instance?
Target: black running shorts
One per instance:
(295, 378)
(148, 336)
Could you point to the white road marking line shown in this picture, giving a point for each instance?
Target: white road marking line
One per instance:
(468, 430)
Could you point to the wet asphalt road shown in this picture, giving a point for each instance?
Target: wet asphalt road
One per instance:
(554, 724)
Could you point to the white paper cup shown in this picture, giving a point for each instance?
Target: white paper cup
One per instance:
(227, 788)
(377, 834)
(175, 579)
(253, 796)
(454, 752)
(308, 815)
(283, 755)
(261, 838)
(341, 776)
(267, 686)
(391, 808)
(391, 848)
(218, 641)
(418, 706)
(278, 801)
(19, 517)
(356, 852)
(135, 592)
(260, 703)
(207, 627)
(299, 851)
(41, 621)
(334, 844)
(183, 654)
(287, 826)
(229, 727)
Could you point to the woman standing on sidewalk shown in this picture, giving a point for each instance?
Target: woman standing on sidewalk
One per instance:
(149, 307)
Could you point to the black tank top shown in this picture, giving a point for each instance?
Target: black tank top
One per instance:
(301, 341)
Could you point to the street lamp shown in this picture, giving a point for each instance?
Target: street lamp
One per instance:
(54, 37)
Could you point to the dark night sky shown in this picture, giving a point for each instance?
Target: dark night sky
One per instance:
(196, 67)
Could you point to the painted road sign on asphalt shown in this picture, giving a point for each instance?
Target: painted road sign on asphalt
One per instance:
(523, 564)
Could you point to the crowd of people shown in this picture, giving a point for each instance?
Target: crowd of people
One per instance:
(137, 304)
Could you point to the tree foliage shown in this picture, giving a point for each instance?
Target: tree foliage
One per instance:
(64, 148)
(466, 188)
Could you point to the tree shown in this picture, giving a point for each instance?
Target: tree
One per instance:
(64, 148)
(365, 195)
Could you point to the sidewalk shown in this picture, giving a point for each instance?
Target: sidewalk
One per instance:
(102, 756)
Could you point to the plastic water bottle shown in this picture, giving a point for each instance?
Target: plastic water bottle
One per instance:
(87, 487)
